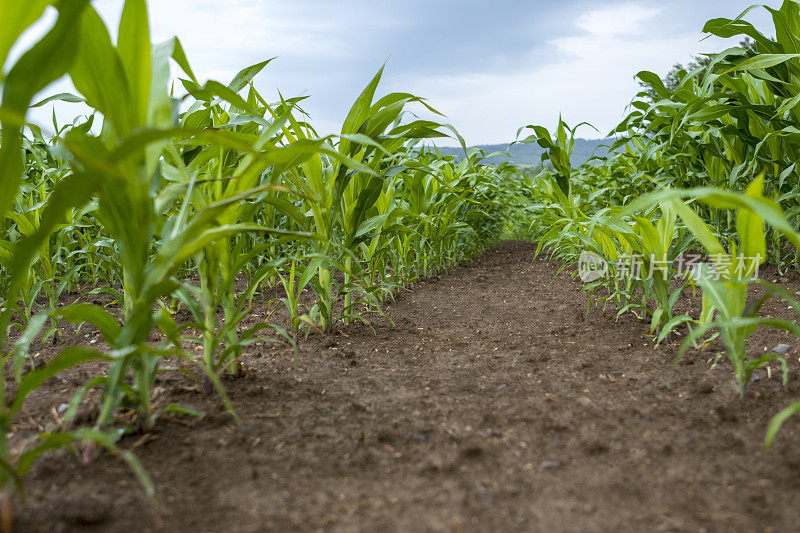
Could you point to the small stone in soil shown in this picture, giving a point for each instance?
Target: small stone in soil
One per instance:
(550, 464)
(781, 348)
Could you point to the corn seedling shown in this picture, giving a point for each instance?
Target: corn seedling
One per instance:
(725, 289)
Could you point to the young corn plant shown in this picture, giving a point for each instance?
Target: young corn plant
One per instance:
(299, 317)
(558, 149)
(341, 186)
(244, 173)
(126, 82)
(62, 46)
(660, 247)
(777, 422)
(725, 288)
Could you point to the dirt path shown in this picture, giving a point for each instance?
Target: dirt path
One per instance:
(491, 404)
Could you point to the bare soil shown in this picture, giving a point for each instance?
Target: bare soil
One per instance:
(492, 401)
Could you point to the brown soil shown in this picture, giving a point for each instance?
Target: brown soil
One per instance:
(492, 403)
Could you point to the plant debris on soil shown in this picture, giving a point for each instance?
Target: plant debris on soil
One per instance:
(488, 399)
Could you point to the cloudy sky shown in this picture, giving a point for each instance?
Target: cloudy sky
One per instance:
(491, 67)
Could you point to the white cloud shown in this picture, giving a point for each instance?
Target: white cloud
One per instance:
(222, 37)
(621, 19)
(588, 77)
(329, 50)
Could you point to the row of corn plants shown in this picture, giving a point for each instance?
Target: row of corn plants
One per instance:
(199, 202)
(707, 167)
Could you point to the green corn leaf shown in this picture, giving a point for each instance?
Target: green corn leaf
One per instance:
(713, 290)
(166, 323)
(704, 234)
(762, 61)
(135, 53)
(78, 313)
(70, 192)
(670, 326)
(244, 76)
(99, 75)
(179, 56)
(77, 397)
(178, 409)
(17, 16)
(69, 357)
(108, 440)
(215, 89)
(23, 343)
(777, 421)
(726, 28)
(653, 80)
(768, 210)
(366, 199)
(750, 228)
(359, 112)
(60, 97)
(47, 61)
(49, 442)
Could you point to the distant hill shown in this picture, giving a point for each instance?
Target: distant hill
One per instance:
(531, 154)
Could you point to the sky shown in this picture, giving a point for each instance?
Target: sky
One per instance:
(490, 67)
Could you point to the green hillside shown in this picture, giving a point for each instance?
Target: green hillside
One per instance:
(531, 154)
